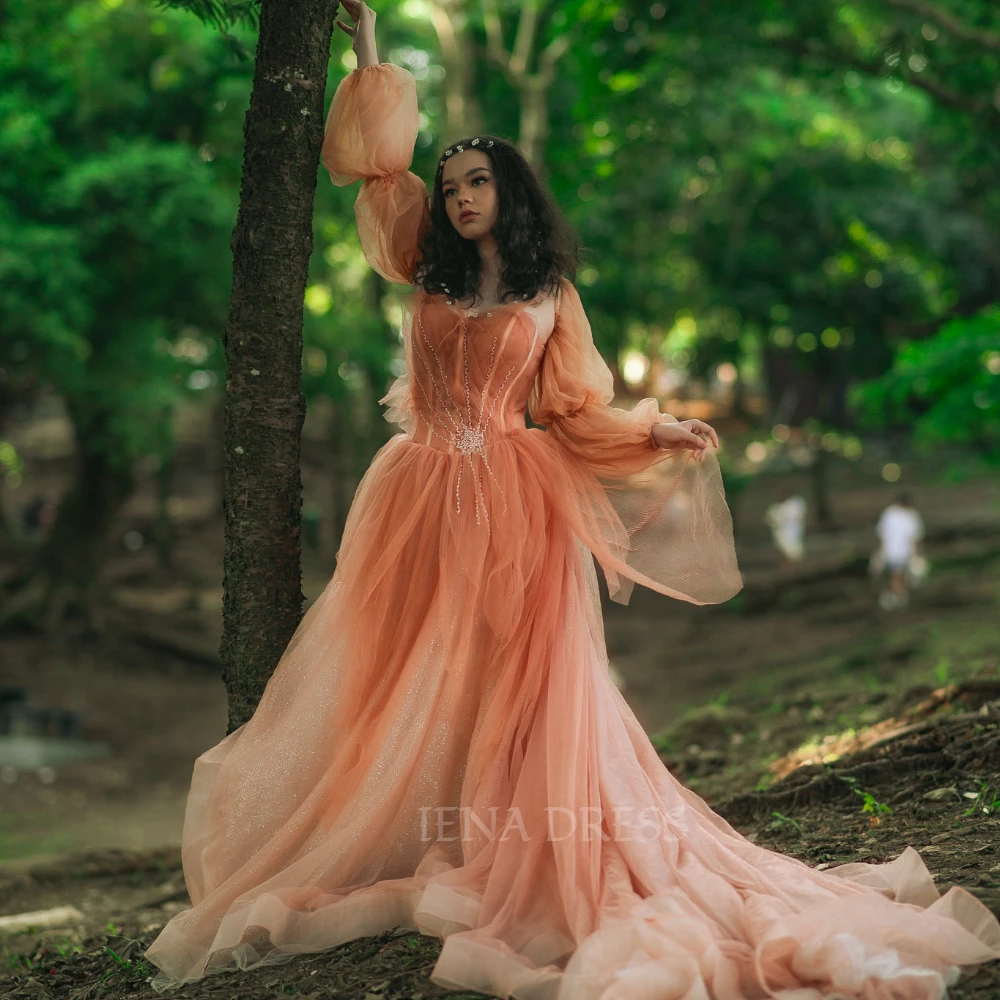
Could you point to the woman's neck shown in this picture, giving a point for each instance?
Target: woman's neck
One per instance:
(490, 267)
(489, 252)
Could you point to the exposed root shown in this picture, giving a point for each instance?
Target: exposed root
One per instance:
(921, 750)
(972, 694)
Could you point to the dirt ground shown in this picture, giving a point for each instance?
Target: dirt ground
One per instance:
(802, 668)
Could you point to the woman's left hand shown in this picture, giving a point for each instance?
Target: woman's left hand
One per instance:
(694, 435)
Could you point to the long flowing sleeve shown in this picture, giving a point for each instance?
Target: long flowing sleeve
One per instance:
(370, 132)
(572, 393)
(651, 516)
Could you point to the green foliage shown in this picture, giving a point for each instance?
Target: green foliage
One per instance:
(945, 388)
(804, 190)
(869, 804)
(985, 800)
(220, 14)
(113, 221)
(781, 820)
(780, 177)
(942, 671)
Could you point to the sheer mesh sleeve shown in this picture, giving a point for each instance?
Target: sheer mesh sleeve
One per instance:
(572, 394)
(662, 517)
(371, 128)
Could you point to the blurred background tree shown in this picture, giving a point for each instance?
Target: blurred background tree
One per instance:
(114, 261)
(945, 389)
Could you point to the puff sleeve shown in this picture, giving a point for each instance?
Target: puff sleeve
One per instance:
(572, 396)
(370, 132)
(652, 516)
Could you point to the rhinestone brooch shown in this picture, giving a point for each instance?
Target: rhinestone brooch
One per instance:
(470, 440)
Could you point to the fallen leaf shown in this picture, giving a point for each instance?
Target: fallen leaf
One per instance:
(940, 794)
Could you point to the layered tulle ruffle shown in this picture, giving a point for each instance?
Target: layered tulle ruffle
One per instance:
(406, 769)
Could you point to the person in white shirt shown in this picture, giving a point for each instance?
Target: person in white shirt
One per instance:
(787, 519)
(900, 530)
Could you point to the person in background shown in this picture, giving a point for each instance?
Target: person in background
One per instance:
(787, 520)
(900, 531)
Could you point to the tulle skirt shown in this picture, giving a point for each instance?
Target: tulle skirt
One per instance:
(441, 748)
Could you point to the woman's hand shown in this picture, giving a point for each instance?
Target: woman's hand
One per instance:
(694, 435)
(363, 32)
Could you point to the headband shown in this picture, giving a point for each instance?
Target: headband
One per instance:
(460, 148)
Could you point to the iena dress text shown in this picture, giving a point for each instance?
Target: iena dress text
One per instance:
(441, 747)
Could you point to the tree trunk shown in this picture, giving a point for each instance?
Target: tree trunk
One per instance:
(164, 532)
(6, 531)
(532, 87)
(264, 405)
(463, 115)
(65, 578)
(820, 470)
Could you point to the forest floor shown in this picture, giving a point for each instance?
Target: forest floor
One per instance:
(816, 723)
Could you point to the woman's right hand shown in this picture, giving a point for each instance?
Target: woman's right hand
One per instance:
(693, 435)
(362, 33)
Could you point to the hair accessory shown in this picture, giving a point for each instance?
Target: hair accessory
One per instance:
(460, 148)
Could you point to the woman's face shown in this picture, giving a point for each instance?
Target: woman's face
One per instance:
(470, 193)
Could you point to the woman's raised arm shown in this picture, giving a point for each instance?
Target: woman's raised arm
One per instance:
(371, 129)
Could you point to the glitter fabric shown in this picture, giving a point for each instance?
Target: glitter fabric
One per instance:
(441, 747)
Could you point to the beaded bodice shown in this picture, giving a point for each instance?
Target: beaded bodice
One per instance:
(471, 371)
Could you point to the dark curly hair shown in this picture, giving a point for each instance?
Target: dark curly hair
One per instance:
(535, 243)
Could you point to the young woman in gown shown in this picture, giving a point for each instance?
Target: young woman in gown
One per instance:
(440, 747)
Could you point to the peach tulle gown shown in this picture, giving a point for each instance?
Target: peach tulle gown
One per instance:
(441, 747)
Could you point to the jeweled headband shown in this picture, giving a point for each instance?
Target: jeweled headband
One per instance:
(460, 148)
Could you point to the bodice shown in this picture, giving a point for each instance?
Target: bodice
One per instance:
(471, 371)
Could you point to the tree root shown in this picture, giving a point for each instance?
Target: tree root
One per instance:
(919, 751)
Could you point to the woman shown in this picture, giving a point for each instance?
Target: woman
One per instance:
(441, 747)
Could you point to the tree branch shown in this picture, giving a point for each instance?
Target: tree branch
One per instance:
(494, 35)
(550, 56)
(948, 21)
(525, 39)
(944, 95)
(462, 109)
(220, 14)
